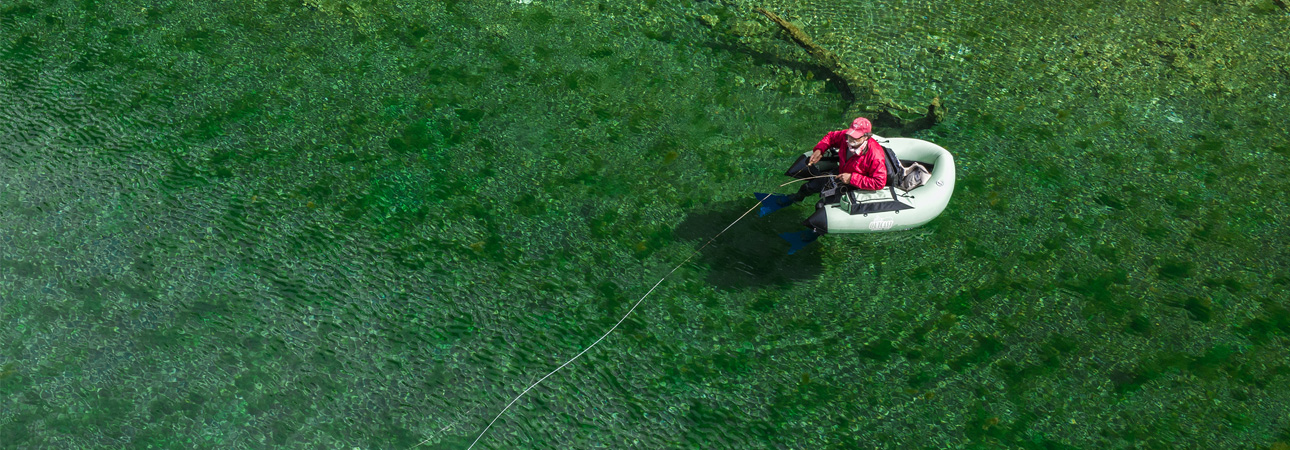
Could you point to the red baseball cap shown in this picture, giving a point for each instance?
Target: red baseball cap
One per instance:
(859, 128)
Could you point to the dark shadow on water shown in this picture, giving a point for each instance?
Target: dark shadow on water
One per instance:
(751, 254)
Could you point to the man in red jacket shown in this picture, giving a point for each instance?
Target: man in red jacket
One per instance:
(862, 164)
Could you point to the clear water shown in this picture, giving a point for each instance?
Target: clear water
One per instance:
(370, 224)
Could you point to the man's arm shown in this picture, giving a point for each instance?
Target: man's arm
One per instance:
(834, 139)
(830, 140)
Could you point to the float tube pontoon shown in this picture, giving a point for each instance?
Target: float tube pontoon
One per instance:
(888, 209)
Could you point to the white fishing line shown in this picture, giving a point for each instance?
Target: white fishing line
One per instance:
(620, 321)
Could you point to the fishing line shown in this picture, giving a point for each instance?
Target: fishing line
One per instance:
(620, 321)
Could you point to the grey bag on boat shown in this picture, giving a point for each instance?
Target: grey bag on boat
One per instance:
(915, 175)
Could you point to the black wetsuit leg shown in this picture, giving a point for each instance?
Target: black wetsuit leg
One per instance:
(818, 222)
(812, 187)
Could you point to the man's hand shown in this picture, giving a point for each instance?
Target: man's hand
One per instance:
(846, 177)
(815, 157)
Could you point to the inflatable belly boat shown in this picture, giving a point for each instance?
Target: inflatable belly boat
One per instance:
(888, 209)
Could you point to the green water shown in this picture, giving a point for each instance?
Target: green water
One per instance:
(330, 224)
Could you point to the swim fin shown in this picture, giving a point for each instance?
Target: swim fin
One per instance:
(799, 239)
(772, 202)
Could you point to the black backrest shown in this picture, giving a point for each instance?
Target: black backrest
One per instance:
(895, 171)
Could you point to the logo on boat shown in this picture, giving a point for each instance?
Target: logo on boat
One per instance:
(880, 224)
(940, 183)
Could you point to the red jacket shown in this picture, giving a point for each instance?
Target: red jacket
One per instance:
(868, 171)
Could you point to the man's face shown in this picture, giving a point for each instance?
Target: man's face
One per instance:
(856, 143)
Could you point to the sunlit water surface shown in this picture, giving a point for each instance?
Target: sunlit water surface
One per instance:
(370, 224)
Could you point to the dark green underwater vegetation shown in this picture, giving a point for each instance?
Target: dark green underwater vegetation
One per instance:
(370, 224)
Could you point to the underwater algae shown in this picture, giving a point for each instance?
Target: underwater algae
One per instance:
(366, 224)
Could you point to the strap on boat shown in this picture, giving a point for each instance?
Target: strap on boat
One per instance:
(904, 195)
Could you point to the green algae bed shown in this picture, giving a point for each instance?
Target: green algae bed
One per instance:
(369, 224)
